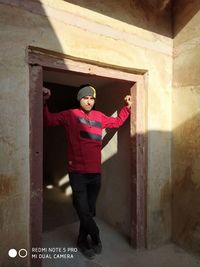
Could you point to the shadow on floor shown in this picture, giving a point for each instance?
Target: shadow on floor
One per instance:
(57, 209)
(60, 233)
(116, 251)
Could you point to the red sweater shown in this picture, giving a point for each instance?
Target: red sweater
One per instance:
(84, 135)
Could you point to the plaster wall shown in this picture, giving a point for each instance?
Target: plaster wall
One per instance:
(186, 126)
(89, 35)
(114, 203)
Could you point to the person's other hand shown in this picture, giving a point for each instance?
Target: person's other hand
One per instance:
(128, 101)
(46, 93)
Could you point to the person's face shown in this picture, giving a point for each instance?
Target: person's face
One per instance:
(87, 103)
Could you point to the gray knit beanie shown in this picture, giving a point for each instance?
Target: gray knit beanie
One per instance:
(87, 90)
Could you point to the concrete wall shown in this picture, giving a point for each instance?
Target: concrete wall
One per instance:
(114, 203)
(141, 42)
(186, 125)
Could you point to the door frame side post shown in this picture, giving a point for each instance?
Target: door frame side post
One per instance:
(36, 158)
(138, 165)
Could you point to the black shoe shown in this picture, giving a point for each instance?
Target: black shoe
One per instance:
(86, 250)
(96, 244)
(97, 248)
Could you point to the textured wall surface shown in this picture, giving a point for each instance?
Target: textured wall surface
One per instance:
(93, 35)
(186, 126)
(114, 203)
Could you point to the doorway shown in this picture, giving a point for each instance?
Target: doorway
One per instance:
(112, 84)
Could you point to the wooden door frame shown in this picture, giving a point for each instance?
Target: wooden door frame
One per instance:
(38, 59)
(36, 160)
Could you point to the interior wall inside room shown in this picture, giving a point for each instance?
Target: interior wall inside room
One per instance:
(114, 204)
(57, 198)
(54, 160)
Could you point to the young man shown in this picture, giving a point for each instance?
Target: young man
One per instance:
(83, 127)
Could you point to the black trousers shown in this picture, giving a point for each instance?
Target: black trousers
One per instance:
(85, 189)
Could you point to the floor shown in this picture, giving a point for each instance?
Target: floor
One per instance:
(59, 240)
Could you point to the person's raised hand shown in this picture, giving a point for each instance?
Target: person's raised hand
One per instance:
(128, 101)
(46, 94)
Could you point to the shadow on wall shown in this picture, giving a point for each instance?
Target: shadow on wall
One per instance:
(179, 201)
(146, 14)
(183, 12)
(114, 202)
(186, 185)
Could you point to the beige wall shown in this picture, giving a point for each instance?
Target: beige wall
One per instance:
(114, 203)
(186, 126)
(141, 42)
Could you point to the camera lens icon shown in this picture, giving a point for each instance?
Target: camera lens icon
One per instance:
(22, 253)
(12, 253)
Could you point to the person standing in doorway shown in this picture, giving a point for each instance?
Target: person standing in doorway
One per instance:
(83, 127)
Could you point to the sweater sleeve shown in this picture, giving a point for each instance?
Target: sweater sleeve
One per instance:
(111, 122)
(54, 119)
